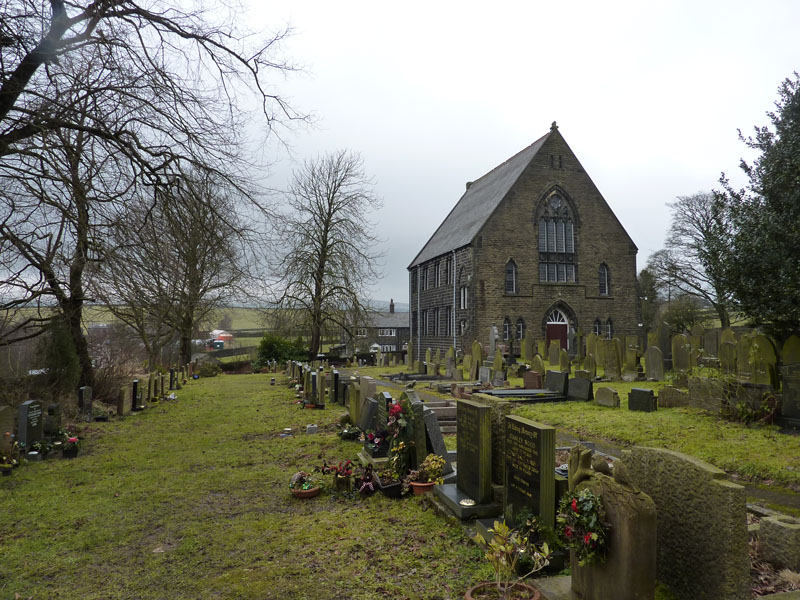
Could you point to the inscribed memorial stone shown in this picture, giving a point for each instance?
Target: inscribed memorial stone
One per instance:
(642, 400)
(564, 364)
(474, 443)
(554, 352)
(606, 396)
(590, 366)
(30, 427)
(529, 480)
(764, 361)
(654, 364)
(727, 357)
(537, 365)
(680, 353)
(790, 353)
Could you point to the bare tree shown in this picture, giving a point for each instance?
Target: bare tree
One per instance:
(696, 250)
(330, 259)
(176, 262)
(102, 101)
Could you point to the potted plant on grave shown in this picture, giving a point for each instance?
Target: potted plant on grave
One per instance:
(70, 444)
(391, 476)
(536, 534)
(504, 551)
(429, 473)
(377, 443)
(349, 432)
(9, 459)
(304, 485)
(341, 474)
(582, 527)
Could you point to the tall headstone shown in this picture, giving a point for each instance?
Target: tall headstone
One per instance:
(744, 358)
(554, 352)
(123, 401)
(172, 379)
(322, 386)
(477, 359)
(681, 352)
(654, 364)
(437, 358)
(711, 342)
(420, 436)
(727, 335)
(135, 395)
(564, 363)
(466, 367)
(790, 353)
(428, 357)
(727, 357)
(590, 366)
(474, 450)
(30, 427)
(790, 408)
(541, 347)
(630, 369)
(537, 364)
(591, 345)
(335, 391)
(382, 412)
(497, 364)
(764, 360)
(529, 470)
(493, 335)
(611, 364)
(435, 441)
(85, 402)
(368, 414)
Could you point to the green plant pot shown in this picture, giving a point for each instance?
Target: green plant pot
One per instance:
(70, 452)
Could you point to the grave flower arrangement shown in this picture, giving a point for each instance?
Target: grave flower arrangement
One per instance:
(303, 480)
(377, 443)
(349, 432)
(429, 471)
(341, 474)
(582, 527)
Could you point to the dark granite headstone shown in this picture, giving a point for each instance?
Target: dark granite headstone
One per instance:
(580, 388)
(642, 400)
(172, 379)
(85, 402)
(556, 381)
(382, 414)
(368, 413)
(52, 419)
(30, 426)
(435, 441)
(335, 390)
(529, 470)
(136, 396)
(474, 443)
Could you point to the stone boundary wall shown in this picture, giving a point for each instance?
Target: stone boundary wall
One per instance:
(702, 540)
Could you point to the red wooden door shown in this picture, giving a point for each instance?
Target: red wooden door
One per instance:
(557, 331)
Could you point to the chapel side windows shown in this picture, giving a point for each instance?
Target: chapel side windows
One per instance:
(506, 329)
(556, 241)
(463, 297)
(520, 329)
(603, 281)
(511, 277)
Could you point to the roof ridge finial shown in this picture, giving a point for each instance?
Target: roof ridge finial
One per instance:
(553, 127)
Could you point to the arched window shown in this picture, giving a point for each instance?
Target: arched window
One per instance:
(511, 277)
(598, 327)
(609, 330)
(520, 328)
(557, 262)
(603, 280)
(506, 329)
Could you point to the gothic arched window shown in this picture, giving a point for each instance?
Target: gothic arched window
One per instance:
(556, 223)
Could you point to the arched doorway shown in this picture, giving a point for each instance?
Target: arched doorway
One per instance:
(557, 328)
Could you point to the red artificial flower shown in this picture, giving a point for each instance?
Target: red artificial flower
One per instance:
(568, 531)
(395, 409)
(370, 436)
(72, 440)
(574, 505)
(587, 538)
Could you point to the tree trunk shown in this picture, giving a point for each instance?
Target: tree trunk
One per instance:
(73, 315)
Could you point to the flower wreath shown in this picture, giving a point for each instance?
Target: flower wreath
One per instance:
(582, 526)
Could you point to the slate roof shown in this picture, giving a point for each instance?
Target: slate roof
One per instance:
(387, 320)
(476, 205)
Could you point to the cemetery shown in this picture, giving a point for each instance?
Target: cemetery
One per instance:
(508, 486)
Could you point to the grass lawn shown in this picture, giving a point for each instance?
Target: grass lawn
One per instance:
(189, 499)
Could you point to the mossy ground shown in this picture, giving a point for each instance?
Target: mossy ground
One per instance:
(189, 499)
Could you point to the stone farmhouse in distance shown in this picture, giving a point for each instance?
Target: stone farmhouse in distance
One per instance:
(533, 248)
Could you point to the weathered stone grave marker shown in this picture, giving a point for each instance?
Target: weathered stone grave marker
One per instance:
(85, 402)
(435, 441)
(642, 400)
(654, 364)
(606, 396)
(529, 470)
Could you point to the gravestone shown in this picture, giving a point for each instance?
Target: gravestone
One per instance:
(485, 375)
(790, 353)
(428, 358)
(727, 357)
(85, 402)
(477, 359)
(52, 419)
(790, 408)
(764, 360)
(435, 441)
(590, 366)
(450, 368)
(600, 352)
(654, 364)
(418, 424)
(580, 389)
(554, 352)
(524, 350)
(642, 400)
(727, 335)
(681, 353)
(466, 367)
(564, 363)
(607, 397)
(335, 388)
(630, 368)
(537, 365)
(529, 481)
(322, 387)
(123, 401)
(30, 425)
(541, 347)
(581, 374)
(136, 395)
(498, 378)
(437, 358)
(744, 357)
(492, 340)
(531, 380)
(474, 450)
(172, 379)
(311, 393)
(382, 413)
(711, 342)
(672, 397)
(556, 381)
(611, 362)
(368, 413)
(6, 428)
(497, 363)
(591, 345)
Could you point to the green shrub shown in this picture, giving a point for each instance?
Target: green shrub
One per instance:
(209, 369)
(274, 347)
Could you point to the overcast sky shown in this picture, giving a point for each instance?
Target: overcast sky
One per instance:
(649, 96)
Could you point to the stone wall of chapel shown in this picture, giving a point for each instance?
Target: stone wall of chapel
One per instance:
(512, 233)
